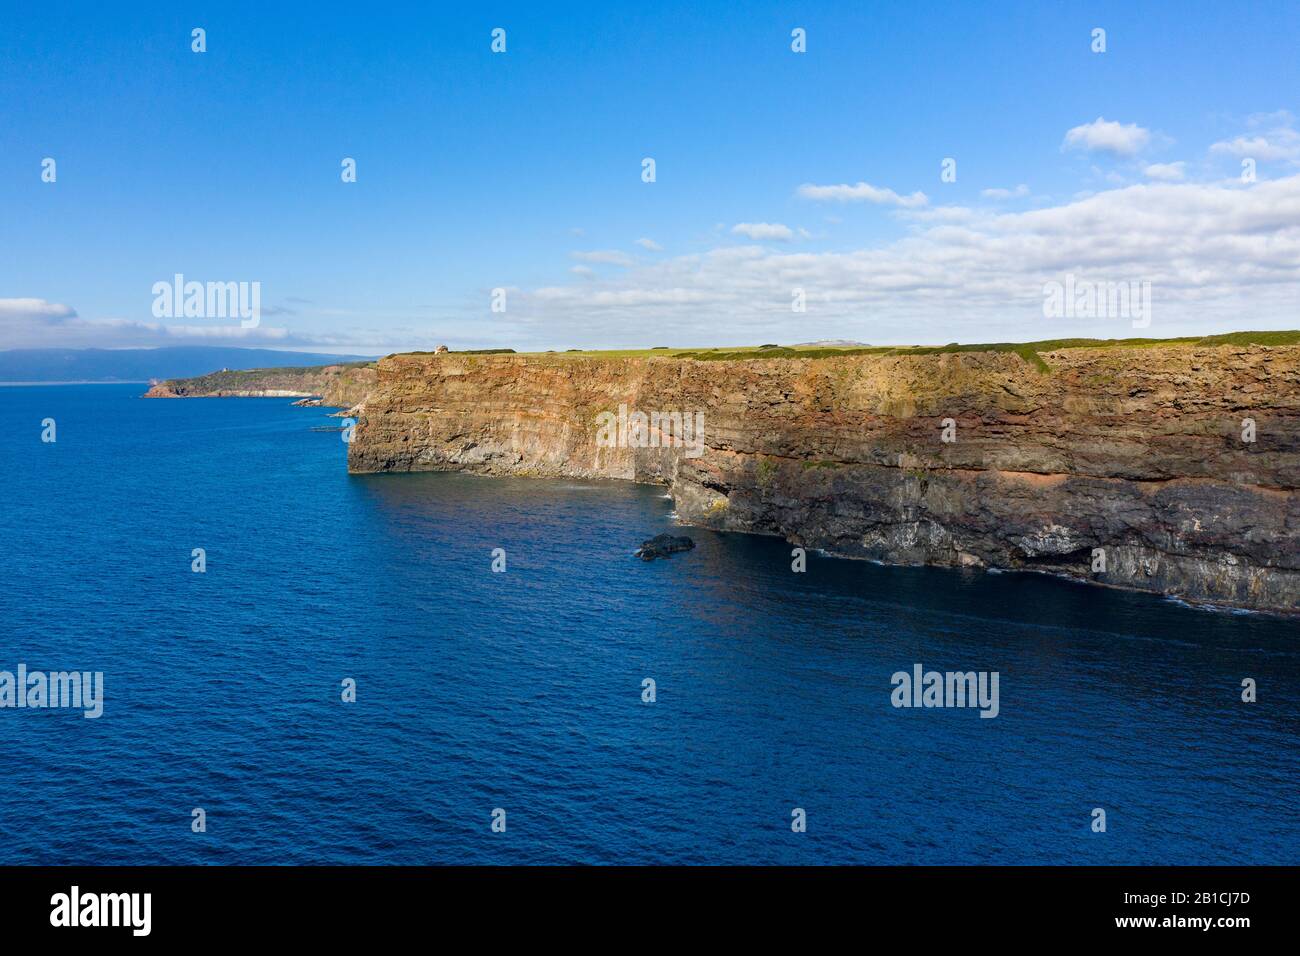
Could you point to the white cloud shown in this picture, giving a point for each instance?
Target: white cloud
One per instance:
(1272, 138)
(26, 310)
(39, 323)
(1107, 136)
(1279, 144)
(1021, 190)
(1165, 172)
(1270, 120)
(609, 257)
(649, 244)
(862, 192)
(1216, 254)
(760, 231)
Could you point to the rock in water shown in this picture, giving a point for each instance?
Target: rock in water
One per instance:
(662, 545)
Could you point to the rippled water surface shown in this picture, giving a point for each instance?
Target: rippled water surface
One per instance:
(522, 690)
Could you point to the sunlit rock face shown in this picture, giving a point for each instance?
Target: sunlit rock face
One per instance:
(1166, 468)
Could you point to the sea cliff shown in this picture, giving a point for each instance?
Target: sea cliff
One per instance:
(1169, 468)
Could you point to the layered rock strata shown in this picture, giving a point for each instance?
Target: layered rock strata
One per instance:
(1165, 468)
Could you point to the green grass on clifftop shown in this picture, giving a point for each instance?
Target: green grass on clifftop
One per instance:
(253, 378)
(1252, 338)
(1031, 352)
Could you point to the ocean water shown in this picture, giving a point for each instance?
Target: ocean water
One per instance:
(522, 690)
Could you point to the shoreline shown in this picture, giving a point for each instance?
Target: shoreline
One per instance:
(676, 521)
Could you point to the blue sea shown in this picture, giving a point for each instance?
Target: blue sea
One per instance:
(522, 690)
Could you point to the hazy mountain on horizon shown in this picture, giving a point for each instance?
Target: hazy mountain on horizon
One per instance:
(141, 365)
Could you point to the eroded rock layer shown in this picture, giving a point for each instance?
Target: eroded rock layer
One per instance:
(1124, 466)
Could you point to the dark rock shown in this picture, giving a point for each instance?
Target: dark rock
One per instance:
(662, 545)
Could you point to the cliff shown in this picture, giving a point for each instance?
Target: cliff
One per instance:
(341, 386)
(1124, 466)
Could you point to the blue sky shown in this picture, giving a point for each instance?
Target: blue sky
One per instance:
(522, 171)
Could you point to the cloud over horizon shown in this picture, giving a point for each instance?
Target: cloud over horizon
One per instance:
(1219, 253)
(34, 323)
(1213, 252)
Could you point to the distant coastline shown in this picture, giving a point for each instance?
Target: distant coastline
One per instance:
(115, 381)
(87, 366)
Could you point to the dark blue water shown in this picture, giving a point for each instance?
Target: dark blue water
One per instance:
(522, 690)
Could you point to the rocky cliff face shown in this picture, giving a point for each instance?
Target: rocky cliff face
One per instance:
(1124, 466)
(341, 386)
